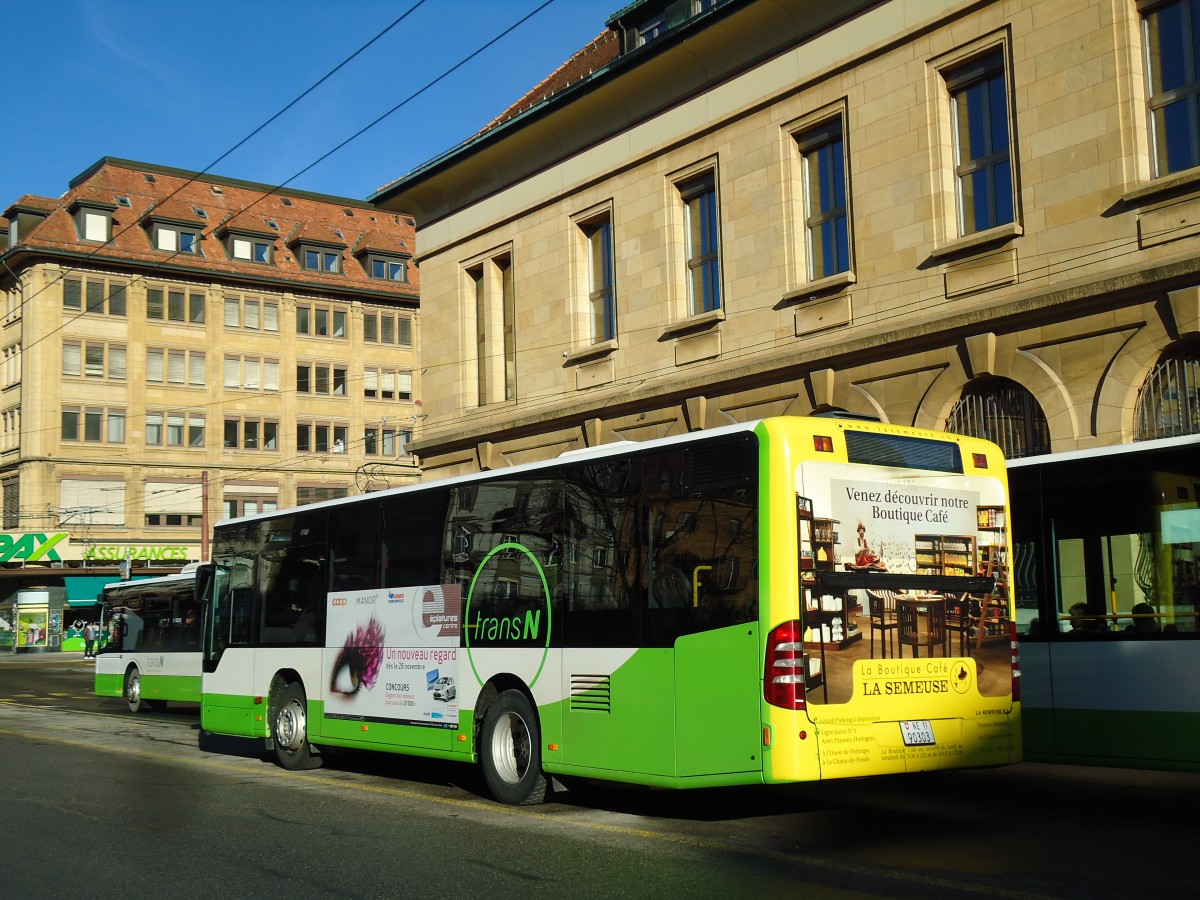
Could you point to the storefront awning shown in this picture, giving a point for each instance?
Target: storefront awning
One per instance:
(83, 590)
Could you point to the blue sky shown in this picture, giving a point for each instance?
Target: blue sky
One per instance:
(180, 84)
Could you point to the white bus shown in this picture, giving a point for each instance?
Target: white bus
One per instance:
(153, 651)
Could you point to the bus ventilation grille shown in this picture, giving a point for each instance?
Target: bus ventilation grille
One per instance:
(591, 693)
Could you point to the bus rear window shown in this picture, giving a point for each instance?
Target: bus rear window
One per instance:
(903, 452)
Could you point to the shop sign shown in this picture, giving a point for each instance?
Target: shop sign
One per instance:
(32, 547)
(114, 553)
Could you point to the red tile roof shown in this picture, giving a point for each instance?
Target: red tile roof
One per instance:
(598, 53)
(135, 200)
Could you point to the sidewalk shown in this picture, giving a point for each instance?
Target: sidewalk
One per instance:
(47, 656)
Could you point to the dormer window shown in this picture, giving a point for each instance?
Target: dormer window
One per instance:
(175, 238)
(93, 220)
(316, 258)
(388, 268)
(250, 249)
(248, 245)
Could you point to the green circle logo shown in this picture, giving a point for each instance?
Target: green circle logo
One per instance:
(501, 548)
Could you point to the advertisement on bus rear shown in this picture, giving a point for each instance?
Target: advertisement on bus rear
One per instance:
(392, 655)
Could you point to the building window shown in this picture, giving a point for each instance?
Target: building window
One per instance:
(321, 437)
(317, 494)
(1005, 413)
(386, 442)
(320, 259)
(1172, 41)
(601, 297)
(387, 328)
(175, 305)
(173, 504)
(101, 296)
(250, 248)
(96, 425)
(701, 243)
(12, 504)
(93, 359)
(239, 505)
(983, 164)
(175, 429)
(320, 321)
(495, 328)
(249, 433)
(1168, 404)
(251, 313)
(387, 384)
(176, 238)
(177, 367)
(251, 373)
(388, 268)
(321, 379)
(93, 221)
(823, 160)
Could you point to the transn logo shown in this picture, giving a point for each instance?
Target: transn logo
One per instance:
(30, 546)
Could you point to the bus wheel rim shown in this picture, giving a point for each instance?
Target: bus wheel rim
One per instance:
(133, 689)
(290, 725)
(510, 748)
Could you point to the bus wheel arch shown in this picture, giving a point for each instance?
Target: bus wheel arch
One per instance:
(287, 714)
(508, 743)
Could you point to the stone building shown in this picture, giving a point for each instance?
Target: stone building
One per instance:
(972, 216)
(180, 348)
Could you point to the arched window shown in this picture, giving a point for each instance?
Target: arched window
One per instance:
(1169, 403)
(1003, 412)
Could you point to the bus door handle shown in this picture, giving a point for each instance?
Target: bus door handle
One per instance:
(696, 584)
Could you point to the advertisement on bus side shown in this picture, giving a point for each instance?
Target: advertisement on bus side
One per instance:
(392, 655)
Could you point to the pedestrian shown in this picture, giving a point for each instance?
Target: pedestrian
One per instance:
(89, 641)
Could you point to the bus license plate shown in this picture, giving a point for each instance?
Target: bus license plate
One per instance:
(917, 733)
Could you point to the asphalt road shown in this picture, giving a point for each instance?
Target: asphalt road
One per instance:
(99, 802)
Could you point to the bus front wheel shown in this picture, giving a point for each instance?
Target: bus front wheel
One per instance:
(133, 691)
(511, 751)
(289, 730)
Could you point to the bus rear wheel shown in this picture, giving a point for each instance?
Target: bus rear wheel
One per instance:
(511, 751)
(289, 730)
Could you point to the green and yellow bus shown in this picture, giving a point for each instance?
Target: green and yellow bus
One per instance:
(762, 603)
(152, 651)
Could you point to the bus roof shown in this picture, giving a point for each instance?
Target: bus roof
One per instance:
(1111, 450)
(604, 451)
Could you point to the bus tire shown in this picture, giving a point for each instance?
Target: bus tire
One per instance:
(511, 751)
(133, 691)
(289, 730)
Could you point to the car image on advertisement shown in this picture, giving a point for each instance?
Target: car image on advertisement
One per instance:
(443, 689)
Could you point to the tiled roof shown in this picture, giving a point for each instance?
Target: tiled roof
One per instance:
(35, 203)
(139, 192)
(598, 53)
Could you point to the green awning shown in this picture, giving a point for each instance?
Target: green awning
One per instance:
(83, 590)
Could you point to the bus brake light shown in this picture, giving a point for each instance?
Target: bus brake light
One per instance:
(783, 676)
(980, 460)
(822, 443)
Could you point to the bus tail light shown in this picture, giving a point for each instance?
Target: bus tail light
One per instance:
(1016, 662)
(822, 443)
(783, 675)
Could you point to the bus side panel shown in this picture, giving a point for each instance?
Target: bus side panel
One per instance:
(1105, 705)
(228, 696)
(618, 712)
(718, 686)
